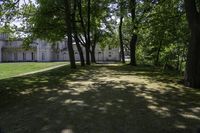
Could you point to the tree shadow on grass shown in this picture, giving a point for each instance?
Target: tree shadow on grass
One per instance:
(149, 72)
(64, 100)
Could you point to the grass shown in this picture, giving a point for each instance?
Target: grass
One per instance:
(13, 69)
(98, 99)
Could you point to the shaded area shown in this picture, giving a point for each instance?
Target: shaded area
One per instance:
(100, 99)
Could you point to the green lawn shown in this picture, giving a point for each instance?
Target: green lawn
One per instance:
(13, 69)
(99, 99)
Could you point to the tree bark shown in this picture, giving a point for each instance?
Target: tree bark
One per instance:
(158, 53)
(121, 40)
(79, 50)
(93, 60)
(192, 74)
(133, 41)
(69, 33)
(93, 46)
(87, 48)
(76, 36)
(133, 50)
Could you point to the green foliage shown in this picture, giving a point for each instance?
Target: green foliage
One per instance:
(164, 31)
(161, 26)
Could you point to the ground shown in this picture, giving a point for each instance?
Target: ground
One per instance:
(14, 69)
(99, 99)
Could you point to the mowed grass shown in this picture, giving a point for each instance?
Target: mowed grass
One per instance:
(99, 99)
(13, 69)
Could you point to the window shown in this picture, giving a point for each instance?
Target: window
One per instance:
(109, 48)
(32, 56)
(15, 57)
(24, 56)
(43, 56)
(110, 54)
(64, 56)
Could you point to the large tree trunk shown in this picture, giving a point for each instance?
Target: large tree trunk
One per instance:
(93, 59)
(192, 74)
(69, 33)
(76, 36)
(133, 41)
(121, 40)
(133, 50)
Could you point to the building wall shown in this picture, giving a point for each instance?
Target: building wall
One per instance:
(43, 51)
(1, 45)
(13, 51)
(107, 54)
(18, 55)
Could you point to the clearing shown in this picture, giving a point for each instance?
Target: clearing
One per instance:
(98, 99)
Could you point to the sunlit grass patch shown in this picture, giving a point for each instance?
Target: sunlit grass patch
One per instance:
(13, 69)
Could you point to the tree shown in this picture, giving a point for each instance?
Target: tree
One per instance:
(134, 36)
(76, 38)
(121, 4)
(192, 74)
(121, 40)
(69, 21)
(54, 24)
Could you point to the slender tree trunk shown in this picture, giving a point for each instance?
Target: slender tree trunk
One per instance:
(133, 50)
(121, 40)
(88, 35)
(133, 41)
(87, 49)
(93, 58)
(158, 53)
(76, 36)
(69, 33)
(192, 74)
(81, 19)
(79, 50)
(178, 63)
(182, 59)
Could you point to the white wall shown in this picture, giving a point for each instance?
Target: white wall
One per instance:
(107, 54)
(1, 44)
(44, 52)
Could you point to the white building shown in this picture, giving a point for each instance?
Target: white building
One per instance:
(43, 51)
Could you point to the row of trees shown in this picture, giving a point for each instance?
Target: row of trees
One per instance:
(149, 31)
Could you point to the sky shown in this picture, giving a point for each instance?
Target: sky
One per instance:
(21, 2)
(25, 1)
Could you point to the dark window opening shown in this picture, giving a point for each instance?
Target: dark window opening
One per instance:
(43, 56)
(15, 56)
(32, 56)
(109, 48)
(24, 56)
